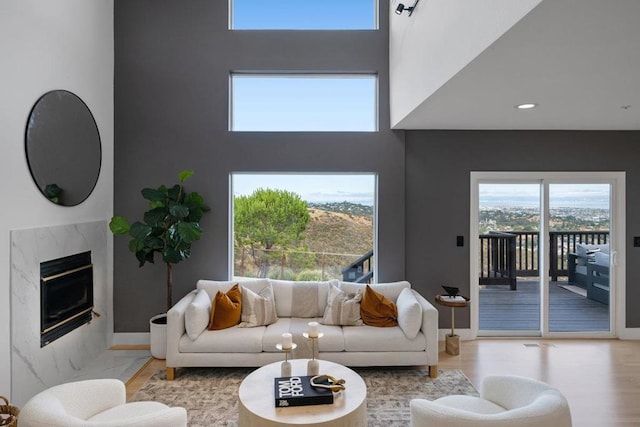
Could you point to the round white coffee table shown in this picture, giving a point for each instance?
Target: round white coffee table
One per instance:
(257, 400)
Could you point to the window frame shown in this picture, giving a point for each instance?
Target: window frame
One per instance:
(231, 218)
(375, 24)
(327, 75)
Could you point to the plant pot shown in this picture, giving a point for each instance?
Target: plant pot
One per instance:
(158, 336)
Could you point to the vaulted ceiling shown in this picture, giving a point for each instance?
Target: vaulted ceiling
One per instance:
(577, 60)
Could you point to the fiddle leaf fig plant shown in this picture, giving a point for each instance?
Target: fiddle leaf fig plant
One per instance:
(168, 228)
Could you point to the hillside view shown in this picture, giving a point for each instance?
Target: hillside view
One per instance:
(339, 233)
(336, 235)
(527, 219)
(343, 228)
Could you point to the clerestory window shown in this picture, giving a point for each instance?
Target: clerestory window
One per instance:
(303, 14)
(304, 102)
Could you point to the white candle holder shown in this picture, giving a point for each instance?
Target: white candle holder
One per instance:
(285, 367)
(313, 367)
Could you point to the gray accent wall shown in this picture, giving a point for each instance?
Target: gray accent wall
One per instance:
(438, 166)
(173, 59)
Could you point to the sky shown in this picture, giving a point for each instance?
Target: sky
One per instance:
(560, 195)
(314, 188)
(304, 14)
(292, 102)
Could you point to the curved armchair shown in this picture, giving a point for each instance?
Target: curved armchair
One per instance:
(503, 401)
(96, 402)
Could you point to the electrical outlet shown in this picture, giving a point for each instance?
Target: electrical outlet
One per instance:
(459, 240)
(636, 241)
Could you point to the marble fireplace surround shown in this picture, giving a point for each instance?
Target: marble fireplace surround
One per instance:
(33, 368)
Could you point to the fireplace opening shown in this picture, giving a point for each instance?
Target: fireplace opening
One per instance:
(66, 295)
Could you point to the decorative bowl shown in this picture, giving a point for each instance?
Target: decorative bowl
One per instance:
(451, 290)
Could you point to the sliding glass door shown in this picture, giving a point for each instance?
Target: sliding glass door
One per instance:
(580, 258)
(544, 257)
(509, 283)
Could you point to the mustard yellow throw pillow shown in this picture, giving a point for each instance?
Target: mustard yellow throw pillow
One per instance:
(226, 309)
(378, 310)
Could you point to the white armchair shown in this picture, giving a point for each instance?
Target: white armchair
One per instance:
(96, 403)
(503, 401)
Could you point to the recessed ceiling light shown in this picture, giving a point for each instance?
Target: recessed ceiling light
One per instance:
(526, 106)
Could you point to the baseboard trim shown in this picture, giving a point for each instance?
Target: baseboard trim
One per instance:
(466, 335)
(629, 334)
(138, 372)
(130, 338)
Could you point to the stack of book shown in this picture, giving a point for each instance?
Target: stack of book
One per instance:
(298, 391)
(450, 298)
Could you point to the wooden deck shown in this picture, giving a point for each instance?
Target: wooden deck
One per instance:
(502, 309)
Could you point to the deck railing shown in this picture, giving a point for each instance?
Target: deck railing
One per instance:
(291, 264)
(359, 271)
(565, 243)
(498, 259)
(506, 255)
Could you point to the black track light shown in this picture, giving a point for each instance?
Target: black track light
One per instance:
(401, 8)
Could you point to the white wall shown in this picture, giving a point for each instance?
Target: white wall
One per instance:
(46, 45)
(439, 39)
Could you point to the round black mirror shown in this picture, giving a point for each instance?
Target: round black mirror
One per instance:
(63, 148)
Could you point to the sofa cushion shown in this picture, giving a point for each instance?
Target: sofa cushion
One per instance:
(226, 309)
(124, 414)
(378, 310)
(300, 299)
(196, 316)
(213, 286)
(230, 340)
(273, 334)
(471, 403)
(332, 340)
(409, 313)
(342, 308)
(258, 309)
(390, 290)
(371, 338)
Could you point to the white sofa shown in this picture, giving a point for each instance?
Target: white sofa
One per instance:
(347, 345)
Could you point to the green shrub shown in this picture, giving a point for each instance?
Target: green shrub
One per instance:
(313, 275)
(281, 274)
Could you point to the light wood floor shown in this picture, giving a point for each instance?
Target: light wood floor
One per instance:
(600, 378)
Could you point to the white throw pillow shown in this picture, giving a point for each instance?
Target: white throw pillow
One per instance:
(342, 308)
(409, 313)
(258, 309)
(196, 316)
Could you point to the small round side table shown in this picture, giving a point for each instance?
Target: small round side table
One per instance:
(452, 341)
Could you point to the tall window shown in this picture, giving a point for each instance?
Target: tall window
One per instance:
(303, 14)
(304, 102)
(303, 226)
